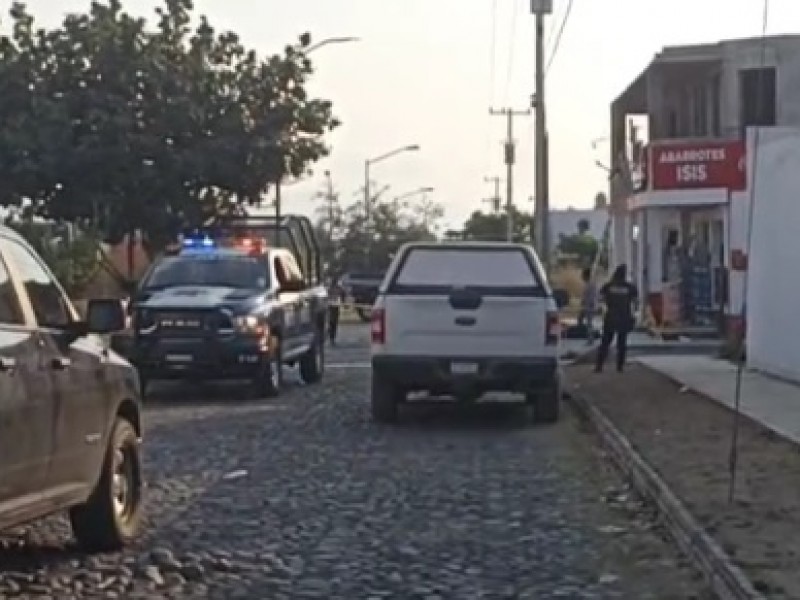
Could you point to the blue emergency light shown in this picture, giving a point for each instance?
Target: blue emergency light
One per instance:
(199, 243)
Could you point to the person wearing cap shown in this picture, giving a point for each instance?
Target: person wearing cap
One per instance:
(619, 297)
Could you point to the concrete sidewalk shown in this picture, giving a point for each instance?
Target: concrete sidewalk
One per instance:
(772, 402)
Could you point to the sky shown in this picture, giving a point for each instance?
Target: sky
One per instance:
(426, 72)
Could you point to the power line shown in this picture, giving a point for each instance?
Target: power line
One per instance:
(492, 75)
(559, 35)
(513, 34)
(733, 459)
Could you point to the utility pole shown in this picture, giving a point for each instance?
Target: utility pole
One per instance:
(495, 199)
(330, 199)
(541, 229)
(510, 159)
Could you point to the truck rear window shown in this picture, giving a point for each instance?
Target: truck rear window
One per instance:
(507, 271)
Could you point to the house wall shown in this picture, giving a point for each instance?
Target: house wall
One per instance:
(773, 287)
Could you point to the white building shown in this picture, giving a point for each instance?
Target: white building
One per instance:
(680, 230)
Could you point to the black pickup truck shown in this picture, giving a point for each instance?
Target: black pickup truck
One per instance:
(237, 300)
(361, 290)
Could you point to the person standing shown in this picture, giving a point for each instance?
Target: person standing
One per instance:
(335, 299)
(620, 297)
(588, 304)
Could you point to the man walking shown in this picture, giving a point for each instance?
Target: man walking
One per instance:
(335, 297)
(588, 304)
(620, 297)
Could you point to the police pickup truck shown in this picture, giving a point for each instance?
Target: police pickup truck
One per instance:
(231, 308)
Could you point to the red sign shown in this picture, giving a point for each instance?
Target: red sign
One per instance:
(710, 164)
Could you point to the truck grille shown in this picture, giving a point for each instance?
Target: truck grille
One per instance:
(189, 323)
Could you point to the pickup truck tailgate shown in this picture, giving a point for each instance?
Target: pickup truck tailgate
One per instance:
(498, 326)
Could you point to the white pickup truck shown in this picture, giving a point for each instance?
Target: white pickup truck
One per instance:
(463, 319)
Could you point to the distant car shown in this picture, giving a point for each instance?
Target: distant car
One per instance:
(228, 311)
(361, 289)
(70, 424)
(464, 319)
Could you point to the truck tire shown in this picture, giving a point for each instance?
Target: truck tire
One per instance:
(312, 363)
(365, 314)
(547, 405)
(269, 379)
(386, 399)
(111, 517)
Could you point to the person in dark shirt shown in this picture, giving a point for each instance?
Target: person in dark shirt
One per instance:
(335, 300)
(619, 297)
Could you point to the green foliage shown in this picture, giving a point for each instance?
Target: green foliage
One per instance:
(73, 261)
(148, 126)
(351, 242)
(492, 227)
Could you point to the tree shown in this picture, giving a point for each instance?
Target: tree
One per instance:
(492, 226)
(370, 244)
(600, 201)
(106, 119)
(581, 245)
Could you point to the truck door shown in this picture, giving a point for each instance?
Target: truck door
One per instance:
(26, 405)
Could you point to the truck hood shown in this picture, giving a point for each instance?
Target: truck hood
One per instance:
(199, 297)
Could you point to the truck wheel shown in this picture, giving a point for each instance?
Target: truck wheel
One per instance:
(111, 517)
(365, 314)
(385, 400)
(269, 380)
(547, 405)
(312, 363)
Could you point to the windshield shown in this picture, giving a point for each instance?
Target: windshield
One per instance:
(245, 272)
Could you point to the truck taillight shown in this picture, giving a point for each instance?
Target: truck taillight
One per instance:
(378, 321)
(553, 329)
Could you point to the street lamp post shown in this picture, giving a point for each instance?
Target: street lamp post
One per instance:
(329, 41)
(371, 161)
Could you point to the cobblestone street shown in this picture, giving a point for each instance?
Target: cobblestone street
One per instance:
(305, 497)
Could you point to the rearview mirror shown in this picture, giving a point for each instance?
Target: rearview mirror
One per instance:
(561, 297)
(105, 316)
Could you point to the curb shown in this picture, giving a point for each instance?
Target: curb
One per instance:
(726, 579)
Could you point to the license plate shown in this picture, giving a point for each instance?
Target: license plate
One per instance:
(179, 358)
(463, 368)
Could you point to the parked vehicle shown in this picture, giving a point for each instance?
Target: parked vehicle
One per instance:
(463, 319)
(231, 307)
(70, 424)
(361, 290)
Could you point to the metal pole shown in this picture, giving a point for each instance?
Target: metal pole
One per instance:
(367, 202)
(542, 208)
(510, 179)
(278, 212)
(331, 215)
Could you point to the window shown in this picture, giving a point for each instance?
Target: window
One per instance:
(758, 90)
(286, 270)
(213, 270)
(10, 310)
(49, 304)
(476, 268)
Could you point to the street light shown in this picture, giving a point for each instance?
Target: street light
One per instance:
(329, 41)
(371, 161)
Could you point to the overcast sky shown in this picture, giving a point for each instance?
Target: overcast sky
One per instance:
(423, 74)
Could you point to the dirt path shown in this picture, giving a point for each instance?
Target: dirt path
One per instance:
(686, 438)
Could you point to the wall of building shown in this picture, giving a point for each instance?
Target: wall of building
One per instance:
(773, 325)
